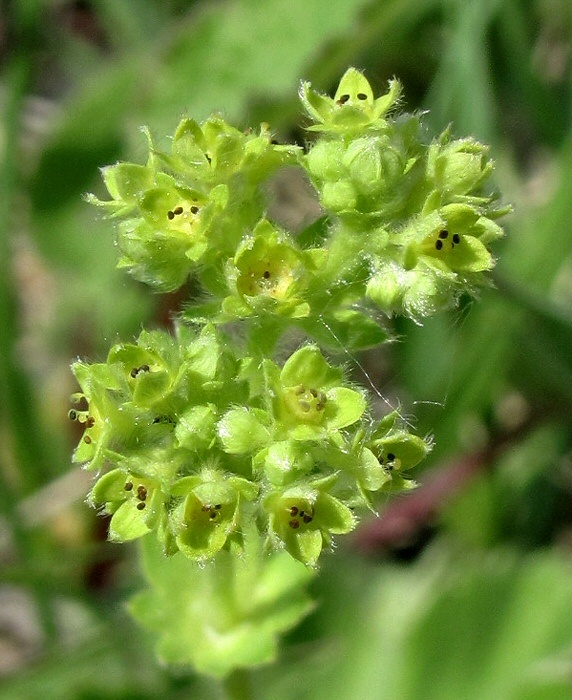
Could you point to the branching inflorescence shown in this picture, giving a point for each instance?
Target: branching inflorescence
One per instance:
(201, 437)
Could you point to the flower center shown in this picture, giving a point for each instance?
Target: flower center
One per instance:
(212, 512)
(299, 515)
(183, 218)
(87, 417)
(267, 278)
(306, 403)
(390, 461)
(138, 491)
(441, 242)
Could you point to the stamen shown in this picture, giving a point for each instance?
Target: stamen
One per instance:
(438, 244)
(294, 524)
(343, 99)
(128, 486)
(194, 210)
(170, 215)
(361, 96)
(140, 506)
(177, 211)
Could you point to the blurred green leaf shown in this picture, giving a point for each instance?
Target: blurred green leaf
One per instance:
(482, 626)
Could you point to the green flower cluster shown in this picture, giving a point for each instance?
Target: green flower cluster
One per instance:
(421, 215)
(199, 435)
(198, 444)
(189, 208)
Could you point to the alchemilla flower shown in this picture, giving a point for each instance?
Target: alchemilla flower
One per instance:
(305, 400)
(353, 109)
(209, 512)
(269, 273)
(135, 501)
(429, 263)
(185, 208)
(303, 518)
(207, 437)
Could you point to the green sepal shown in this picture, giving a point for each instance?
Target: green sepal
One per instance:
(370, 474)
(283, 462)
(309, 367)
(196, 428)
(127, 182)
(406, 449)
(127, 524)
(487, 231)
(243, 430)
(344, 407)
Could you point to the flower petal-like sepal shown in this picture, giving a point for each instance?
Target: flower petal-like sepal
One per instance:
(268, 273)
(302, 519)
(209, 512)
(244, 430)
(309, 367)
(458, 167)
(136, 502)
(353, 108)
(285, 461)
(309, 400)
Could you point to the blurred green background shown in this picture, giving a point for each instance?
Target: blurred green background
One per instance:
(462, 589)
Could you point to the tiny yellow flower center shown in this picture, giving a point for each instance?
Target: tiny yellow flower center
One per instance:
(441, 243)
(183, 218)
(298, 514)
(305, 404)
(267, 277)
(138, 491)
(390, 461)
(89, 417)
